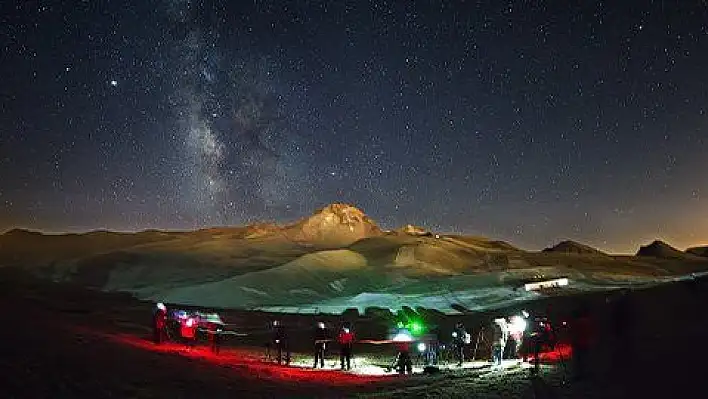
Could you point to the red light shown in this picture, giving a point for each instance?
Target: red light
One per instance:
(244, 363)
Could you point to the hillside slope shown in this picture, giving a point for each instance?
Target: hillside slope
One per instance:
(698, 251)
(334, 258)
(572, 247)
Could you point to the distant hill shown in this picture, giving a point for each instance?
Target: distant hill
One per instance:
(660, 249)
(698, 251)
(19, 247)
(334, 256)
(572, 247)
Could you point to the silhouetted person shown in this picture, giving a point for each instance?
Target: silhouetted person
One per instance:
(527, 337)
(581, 337)
(459, 336)
(320, 344)
(515, 337)
(539, 335)
(499, 338)
(159, 323)
(404, 364)
(280, 342)
(216, 332)
(346, 343)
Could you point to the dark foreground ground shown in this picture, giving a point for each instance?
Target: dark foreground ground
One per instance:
(61, 341)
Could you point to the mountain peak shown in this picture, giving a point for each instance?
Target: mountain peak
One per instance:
(660, 249)
(21, 233)
(572, 247)
(336, 224)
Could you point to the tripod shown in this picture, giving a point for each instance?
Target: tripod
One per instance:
(480, 336)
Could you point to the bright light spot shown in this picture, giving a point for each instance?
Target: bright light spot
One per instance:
(416, 328)
(402, 337)
(421, 347)
(114, 83)
(517, 325)
(559, 282)
(454, 334)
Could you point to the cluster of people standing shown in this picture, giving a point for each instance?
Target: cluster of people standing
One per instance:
(184, 329)
(322, 338)
(517, 337)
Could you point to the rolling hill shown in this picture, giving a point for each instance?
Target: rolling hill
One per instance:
(572, 247)
(336, 258)
(698, 251)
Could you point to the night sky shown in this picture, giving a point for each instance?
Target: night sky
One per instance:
(527, 123)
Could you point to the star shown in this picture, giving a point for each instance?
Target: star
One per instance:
(490, 124)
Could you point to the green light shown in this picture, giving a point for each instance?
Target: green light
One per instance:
(416, 328)
(400, 324)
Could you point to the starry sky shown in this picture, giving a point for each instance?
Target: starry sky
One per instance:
(524, 121)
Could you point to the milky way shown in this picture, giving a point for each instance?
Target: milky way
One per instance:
(530, 122)
(239, 156)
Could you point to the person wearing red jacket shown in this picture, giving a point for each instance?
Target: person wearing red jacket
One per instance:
(404, 364)
(188, 331)
(346, 343)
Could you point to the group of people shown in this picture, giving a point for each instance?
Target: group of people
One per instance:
(345, 339)
(280, 344)
(515, 337)
(184, 326)
(521, 336)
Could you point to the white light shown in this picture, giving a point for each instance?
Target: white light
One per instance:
(421, 347)
(114, 83)
(402, 337)
(560, 282)
(517, 325)
(161, 306)
(454, 334)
